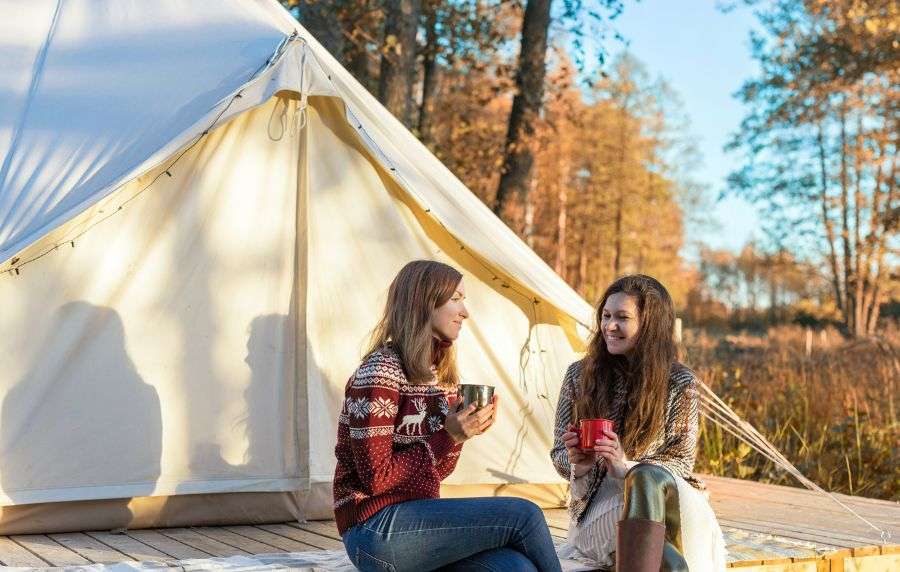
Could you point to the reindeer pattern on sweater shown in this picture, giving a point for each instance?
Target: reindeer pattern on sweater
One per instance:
(392, 445)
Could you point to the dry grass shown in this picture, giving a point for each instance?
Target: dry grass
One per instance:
(832, 413)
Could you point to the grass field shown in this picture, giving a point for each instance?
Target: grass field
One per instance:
(832, 412)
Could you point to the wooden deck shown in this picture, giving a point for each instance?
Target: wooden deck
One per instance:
(768, 529)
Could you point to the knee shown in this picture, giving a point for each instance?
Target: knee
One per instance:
(645, 475)
(528, 513)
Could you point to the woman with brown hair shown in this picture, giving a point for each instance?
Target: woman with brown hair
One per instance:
(399, 437)
(633, 499)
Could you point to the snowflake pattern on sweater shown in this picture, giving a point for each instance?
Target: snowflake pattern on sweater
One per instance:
(392, 445)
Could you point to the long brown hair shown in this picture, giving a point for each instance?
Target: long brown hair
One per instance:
(419, 288)
(646, 373)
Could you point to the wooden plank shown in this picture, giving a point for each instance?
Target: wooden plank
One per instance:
(793, 535)
(233, 539)
(304, 536)
(866, 551)
(827, 536)
(804, 505)
(726, 484)
(266, 537)
(90, 548)
(748, 545)
(800, 514)
(199, 541)
(127, 545)
(49, 550)
(323, 527)
(167, 545)
(824, 536)
(12, 554)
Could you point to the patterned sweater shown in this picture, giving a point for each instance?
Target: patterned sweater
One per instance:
(391, 444)
(675, 447)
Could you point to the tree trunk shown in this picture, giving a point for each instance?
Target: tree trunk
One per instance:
(398, 58)
(620, 197)
(358, 61)
(562, 195)
(858, 205)
(528, 233)
(874, 307)
(871, 290)
(526, 105)
(617, 232)
(829, 226)
(850, 311)
(430, 74)
(582, 261)
(320, 18)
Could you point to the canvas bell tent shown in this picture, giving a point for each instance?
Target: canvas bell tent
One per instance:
(200, 213)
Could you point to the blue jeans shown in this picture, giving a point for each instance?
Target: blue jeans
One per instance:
(458, 535)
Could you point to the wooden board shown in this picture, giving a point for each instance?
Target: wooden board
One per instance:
(49, 550)
(127, 545)
(304, 536)
(324, 527)
(283, 543)
(195, 539)
(90, 548)
(12, 554)
(246, 544)
(800, 514)
(167, 545)
(767, 528)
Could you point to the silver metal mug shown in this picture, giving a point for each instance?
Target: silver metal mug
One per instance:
(470, 393)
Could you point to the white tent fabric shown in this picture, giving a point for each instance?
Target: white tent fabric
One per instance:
(183, 305)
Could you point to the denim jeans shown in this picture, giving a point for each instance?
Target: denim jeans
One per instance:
(458, 535)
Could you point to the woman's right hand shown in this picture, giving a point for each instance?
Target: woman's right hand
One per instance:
(466, 423)
(581, 462)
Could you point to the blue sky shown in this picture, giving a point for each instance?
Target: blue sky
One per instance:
(704, 55)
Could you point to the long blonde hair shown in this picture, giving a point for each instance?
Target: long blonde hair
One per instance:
(419, 288)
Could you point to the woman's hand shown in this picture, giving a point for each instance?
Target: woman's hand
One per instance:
(464, 424)
(611, 450)
(581, 461)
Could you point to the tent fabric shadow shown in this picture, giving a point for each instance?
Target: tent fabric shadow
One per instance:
(81, 403)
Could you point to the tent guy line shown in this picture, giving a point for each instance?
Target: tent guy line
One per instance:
(716, 410)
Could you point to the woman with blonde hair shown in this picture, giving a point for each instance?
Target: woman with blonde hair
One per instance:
(399, 437)
(634, 501)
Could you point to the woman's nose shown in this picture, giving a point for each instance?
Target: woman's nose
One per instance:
(463, 312)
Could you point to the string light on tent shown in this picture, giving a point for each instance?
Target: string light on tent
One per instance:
(15, 268)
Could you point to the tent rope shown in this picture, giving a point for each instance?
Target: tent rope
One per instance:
(301, 115)
(715, 409)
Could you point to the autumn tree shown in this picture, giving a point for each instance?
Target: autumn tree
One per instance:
(515, 178)
(820, 140)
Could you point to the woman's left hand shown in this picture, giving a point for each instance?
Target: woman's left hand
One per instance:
(611, 450)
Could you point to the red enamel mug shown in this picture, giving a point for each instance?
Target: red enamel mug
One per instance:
(589, 430)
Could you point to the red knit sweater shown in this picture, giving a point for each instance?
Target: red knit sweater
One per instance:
(391, 444)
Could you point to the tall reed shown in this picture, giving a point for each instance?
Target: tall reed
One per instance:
(831, 412)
